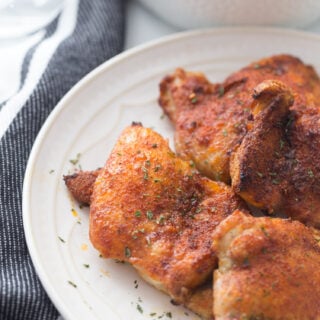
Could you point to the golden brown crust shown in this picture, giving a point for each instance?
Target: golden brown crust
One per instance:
(211, 127)
(155, 211)
(269, 268)
(207, 129)
(255, 176)
(80, 185)
(201, 301)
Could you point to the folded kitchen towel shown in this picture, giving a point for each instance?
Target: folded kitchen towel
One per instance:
(84, 35)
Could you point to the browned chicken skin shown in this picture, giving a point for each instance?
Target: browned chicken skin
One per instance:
(259, 130)
(212, 120)
(250, 164)
(268, 269)
(155, 211)
(80, 185)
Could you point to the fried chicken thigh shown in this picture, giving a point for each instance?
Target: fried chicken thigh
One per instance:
(217, 122)
(269, 268)
(158, 213)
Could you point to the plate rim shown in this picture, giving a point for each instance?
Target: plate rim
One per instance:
(83, 82)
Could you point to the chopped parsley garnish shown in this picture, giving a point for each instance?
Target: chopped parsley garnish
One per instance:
(139, 308)
(281, 144)
(137, 213)
(76, 160)
(62, 240)
(86, 265)
(225, 132)
(149, 215)
(310, 173)
(263, 229)
(72, 284)
(260, 174)
(127, 252)
(220, 91)
(193, 98)
(256, 66)
(145, 173)
(161, 219)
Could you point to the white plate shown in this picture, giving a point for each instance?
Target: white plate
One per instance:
(87, 122)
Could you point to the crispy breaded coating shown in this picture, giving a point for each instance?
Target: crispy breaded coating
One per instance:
(269, 268)
(158, 213)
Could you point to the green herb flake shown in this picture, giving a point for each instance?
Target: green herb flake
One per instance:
(157, 168)
(139, 308)
(220, 91)
(273, 174)
(152, 314)
(225, 132)
(86, 265)
(154, 146)
(263, 229)
(310, 173)
(76, 160)
(256, 66)
(169, 315)
(193, 98)
(127, 252)
(281, 142)
(62, 240)
(198, 210)
(149, 215)
(191, 164)
(138, 213)
(72, 284)
(119, 154)
(157, 180)
(51, 171)
(260, 174)
(147, 163)
(275, 181)
(145, 173)
(161, 220)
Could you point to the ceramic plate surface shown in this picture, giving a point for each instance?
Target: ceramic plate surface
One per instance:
(84, 127)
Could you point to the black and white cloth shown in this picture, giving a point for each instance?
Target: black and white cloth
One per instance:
(85, 34)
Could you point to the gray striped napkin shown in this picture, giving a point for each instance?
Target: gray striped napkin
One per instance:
(84, 35)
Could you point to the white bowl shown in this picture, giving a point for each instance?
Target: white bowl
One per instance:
(187, 14)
